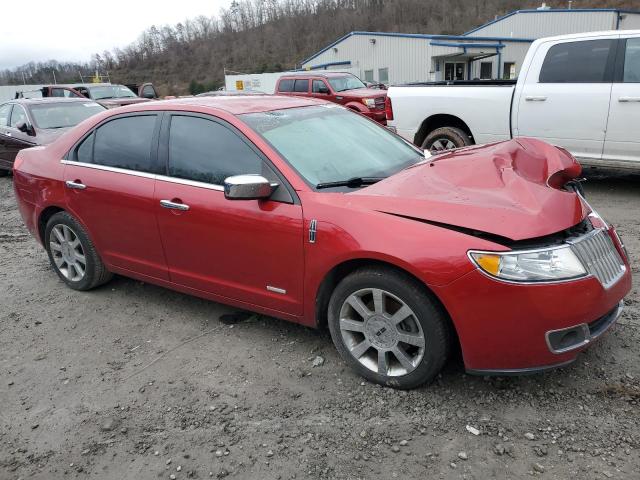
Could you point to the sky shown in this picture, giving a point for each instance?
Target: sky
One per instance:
(45, 30)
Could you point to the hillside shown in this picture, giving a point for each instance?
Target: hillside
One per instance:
(271, 35)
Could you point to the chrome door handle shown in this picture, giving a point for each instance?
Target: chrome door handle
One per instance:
(75, 185)
(628, 99)
(174, 205)
(535, 99)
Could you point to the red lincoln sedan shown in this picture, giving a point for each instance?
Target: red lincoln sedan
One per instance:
(306, 211)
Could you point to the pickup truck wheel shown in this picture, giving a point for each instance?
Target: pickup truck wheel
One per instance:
(387, 328)
(72, 253)
(446, 138)
(3, 172)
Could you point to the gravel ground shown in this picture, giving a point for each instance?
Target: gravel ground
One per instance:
(132, 381)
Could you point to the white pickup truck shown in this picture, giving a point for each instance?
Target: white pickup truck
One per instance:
(580, 92)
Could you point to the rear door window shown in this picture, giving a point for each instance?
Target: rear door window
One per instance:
(588, 61)
(125, 143)
(206, 151)
(285, 85)
(301, 86)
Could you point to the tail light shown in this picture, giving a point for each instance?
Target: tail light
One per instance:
(388, 108)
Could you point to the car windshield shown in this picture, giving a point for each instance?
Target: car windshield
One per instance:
(63, 115)
(348, 82)
(329, 143)
(110, 91)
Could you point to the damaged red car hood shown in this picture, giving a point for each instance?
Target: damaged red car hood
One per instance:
(510, 189)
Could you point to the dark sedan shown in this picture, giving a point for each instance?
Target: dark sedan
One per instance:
(26, 123)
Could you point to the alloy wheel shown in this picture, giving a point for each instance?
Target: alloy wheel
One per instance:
(67, 252)
(381, 332)
(442, 144)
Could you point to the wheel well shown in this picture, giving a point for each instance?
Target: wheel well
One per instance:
(337, 273)
(46, 214)
(438, 121)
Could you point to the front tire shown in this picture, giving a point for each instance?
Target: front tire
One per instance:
(446, 138)
(388, 328)
(4, 173)
(72, 253)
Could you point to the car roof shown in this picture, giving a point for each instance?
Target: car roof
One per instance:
(39, 101)
(234, 104)
(312, 73)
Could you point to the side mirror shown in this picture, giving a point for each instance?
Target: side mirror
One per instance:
(24, 127)
(324, 90)
(150, 95)
(247, 187)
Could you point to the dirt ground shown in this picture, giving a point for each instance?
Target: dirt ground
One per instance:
(132, 381)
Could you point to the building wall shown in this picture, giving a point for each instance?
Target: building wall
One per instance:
(630, 21)
(547, 23)
(406, 58)
(414, 59)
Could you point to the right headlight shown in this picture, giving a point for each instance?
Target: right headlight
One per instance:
(545, 265)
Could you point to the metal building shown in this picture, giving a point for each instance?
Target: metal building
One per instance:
(492, 51)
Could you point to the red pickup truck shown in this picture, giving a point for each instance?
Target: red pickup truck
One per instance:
(343, 88)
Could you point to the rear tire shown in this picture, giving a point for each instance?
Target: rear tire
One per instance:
(397, 334)
(72, 253)
(446, 138)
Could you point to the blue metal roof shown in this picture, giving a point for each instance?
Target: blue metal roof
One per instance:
(554, 10)
(418, 36)
(330, 64)
(467, 45)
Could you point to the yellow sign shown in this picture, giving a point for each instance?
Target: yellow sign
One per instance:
(239, 85)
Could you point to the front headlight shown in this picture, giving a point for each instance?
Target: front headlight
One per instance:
(546, 265)
(369, 102)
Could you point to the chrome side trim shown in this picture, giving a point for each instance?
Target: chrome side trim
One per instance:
(154, 176)
(276, 290)
(109, 169)
(192, 183)
(313, 231)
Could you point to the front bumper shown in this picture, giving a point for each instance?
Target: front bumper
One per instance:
(589, 333)
(504, 327)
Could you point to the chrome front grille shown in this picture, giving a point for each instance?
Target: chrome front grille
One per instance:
(599, 256)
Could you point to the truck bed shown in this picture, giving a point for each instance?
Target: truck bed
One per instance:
(461, 83)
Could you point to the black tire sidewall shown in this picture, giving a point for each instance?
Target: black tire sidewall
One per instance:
(455, 135)
(63, 218)
(431, 318)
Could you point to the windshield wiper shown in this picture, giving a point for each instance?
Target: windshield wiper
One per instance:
(354, 182)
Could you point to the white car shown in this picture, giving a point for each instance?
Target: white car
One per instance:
(580, 92)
